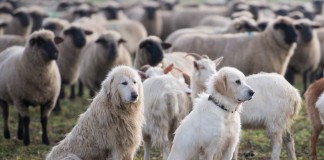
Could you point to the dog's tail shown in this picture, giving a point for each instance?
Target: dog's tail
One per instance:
(295, 105)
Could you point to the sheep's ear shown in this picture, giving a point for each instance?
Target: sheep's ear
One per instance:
(122, 41)
(58, 40)
(218, 60)
(166, 45)
(141, 45)
(196, 65)
(142, 75)
(32, 41)
(237, 26)
(298, 26)
(315, 26)
(88, 32)
(99, 40)
(168, 69)
(186, 78)
(145, 68)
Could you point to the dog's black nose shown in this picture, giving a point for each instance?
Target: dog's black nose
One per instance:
(134, 95)
(251, 93)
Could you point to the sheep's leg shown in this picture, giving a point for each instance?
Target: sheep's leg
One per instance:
(45, 109)
(305, 80)
(276, 142)
(62, 92)
(72, 95)
(166, 150)
(5, 114)
(20, 127)
(80, 94)
(147, 147)
(22, 108)
(289, 142)
(317, 128)
(57, 107)
(116, 155)
(92, 93)
(290, 75)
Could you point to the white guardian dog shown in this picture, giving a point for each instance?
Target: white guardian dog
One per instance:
(212, 129)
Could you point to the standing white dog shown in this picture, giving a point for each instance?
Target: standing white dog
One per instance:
(212, 129)
(111, 126)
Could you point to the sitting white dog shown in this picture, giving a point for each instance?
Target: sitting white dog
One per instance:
(212, 129)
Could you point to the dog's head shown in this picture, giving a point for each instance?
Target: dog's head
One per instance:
(123, 86)
(230, 84)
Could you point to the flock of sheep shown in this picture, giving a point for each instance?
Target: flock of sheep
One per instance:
(161, 54)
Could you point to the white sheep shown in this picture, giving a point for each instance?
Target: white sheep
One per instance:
(29, 76)
(268, 51)
(163, 110)
(273, 108)
(100, 56)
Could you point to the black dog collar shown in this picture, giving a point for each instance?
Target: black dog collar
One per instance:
(210, 98)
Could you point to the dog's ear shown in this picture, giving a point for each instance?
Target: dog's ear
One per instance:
(218, 61)
(220, 85)
(142, 75)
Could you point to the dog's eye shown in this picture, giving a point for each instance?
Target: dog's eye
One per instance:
(124, 83)
(134, 82)
(238, 82)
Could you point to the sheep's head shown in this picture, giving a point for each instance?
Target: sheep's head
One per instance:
(111, 10)
(152, 47)
(305, 30)
(55, 25)
(204, 68)
(109, 44)
(22, 17)
(151, 9)
(284, 30)
(243, 24)
(76, 35)
(43, 43)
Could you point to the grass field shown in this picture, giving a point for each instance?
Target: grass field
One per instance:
(251, 140)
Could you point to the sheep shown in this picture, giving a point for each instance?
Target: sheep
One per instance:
(238, 25)
(261, 112)
(132, 31)
(215, 21)
(203, 69)
(7, 41)
(150, 52)
(152, 19)
(30, 76)
(21, 24)
(111, 126)
(37, 15)
(100, 56)
(113, 11)
(56, 25)
(314, 91)
(306, 58)
(6, 11)
(319, 70)
(2, 26)
(70, 58)
(163, 110)
(268, 51)
(166, 16)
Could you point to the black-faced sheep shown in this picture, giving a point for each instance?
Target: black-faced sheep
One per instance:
(21, 23)
(268, 51)
(29, 76)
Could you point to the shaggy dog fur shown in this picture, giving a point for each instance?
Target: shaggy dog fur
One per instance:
(212, 129)
(112, 124)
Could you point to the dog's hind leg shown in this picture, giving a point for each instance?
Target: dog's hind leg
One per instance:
(289, 142)
(147, 147)
(235, 154)
(166, 150)
(276, 143)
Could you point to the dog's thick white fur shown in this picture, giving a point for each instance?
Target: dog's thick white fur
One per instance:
(210, 132)
(111, 126)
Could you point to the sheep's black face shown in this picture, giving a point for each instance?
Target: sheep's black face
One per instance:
(51, 27)
(47, 46)
(37, 20)
(111, 13)
(154, 50)
(305, 32)
(169, 6)
(111, 48)
(281, 12)
(5, 10)
(82, 13)
(63, 6)
(150, 12)
(290, 34)
(77, 35)
(318, 6)
(23, 18)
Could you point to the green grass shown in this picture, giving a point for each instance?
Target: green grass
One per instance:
(251, 141)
